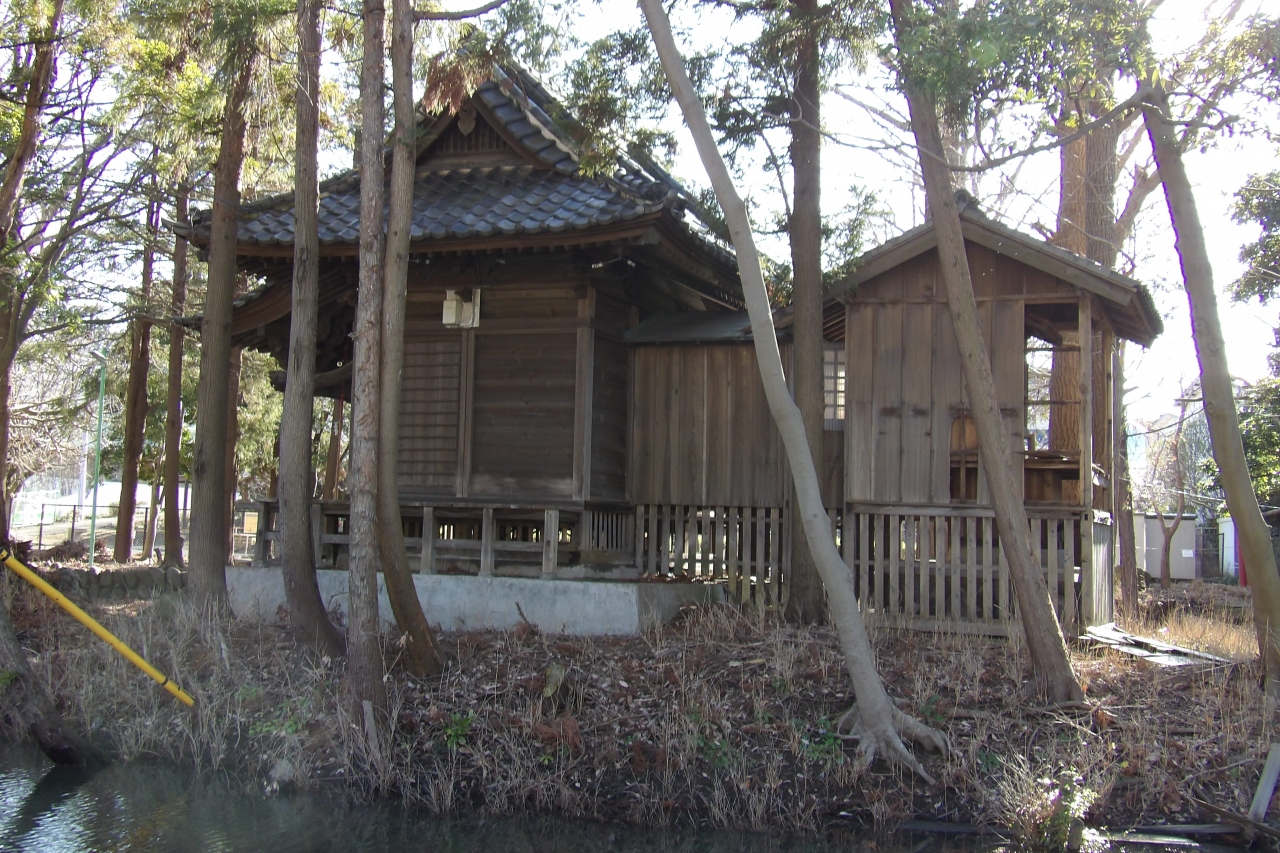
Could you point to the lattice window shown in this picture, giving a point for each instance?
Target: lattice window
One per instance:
(833, 387)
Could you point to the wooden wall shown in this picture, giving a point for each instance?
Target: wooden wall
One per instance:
(906, 384)
(702, 433)
(532, 404)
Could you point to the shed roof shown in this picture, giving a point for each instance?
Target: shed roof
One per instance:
(1128, 303)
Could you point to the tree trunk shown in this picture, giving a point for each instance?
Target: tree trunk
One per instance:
(42, 67)
(296, 480)
(1179, 479)
(333, 457)
(1064, 374)
(136, 404)
(423, 651)
(1045, 642)
(208, 504)
(173, 395)
(6, 496)
(804, 594)
(229, 478)
(25, 701)
(365, 667)
(149, 529)
(881, 723)
(1215, 382)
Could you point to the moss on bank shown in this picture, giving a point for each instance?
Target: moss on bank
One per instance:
(722, 719)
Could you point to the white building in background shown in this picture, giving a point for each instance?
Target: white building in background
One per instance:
(1148, 540)
(1227, 538)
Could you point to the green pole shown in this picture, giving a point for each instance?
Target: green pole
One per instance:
(97, 455)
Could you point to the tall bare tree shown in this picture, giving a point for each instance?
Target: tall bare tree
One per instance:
(173, 392)
(365, 667)
(1050, 664)
(297, 475)
(1215, 384)
(880, 725)
(136, 404)
(208, 548)
(424, 652)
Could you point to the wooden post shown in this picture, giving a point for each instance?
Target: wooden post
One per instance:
(1087, 568)
(260, 537)
(317, 531)
(427, 559)
(487, 534)
(550, 542)
(584, 394)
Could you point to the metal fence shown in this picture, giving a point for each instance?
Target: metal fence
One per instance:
(59, 522)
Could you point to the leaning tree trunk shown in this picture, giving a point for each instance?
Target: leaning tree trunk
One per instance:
(804, 586)
(208, 551)
(44, 52)
(229, 478)
(173, 394)
(296, 478)
(1215, 384)
(365, 667)
(6, 498)
(136, 403)
(1045, 642)
(423, 651)
(26, 704)
(882, 725)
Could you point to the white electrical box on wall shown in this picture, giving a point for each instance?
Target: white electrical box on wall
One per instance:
(459, 313)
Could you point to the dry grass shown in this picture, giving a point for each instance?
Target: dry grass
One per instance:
(724, 718)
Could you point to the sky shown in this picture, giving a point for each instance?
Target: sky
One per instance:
(1155, 377)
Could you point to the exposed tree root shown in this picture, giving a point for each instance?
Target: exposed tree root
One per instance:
(887, 741)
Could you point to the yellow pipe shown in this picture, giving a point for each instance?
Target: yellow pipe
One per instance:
(89, 622)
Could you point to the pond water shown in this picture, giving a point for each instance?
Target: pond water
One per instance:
(148, 806)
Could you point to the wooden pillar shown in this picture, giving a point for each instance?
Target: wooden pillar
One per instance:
(1087, 568)
(487, 534)
(584, 394)
(550, 542)
(427, 559)
(260, 536)
(317, 531)
(466, 397)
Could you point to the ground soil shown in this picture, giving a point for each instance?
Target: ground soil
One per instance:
(724, 718)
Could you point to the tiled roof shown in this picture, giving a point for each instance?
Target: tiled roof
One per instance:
(546, 196)
(462, 203)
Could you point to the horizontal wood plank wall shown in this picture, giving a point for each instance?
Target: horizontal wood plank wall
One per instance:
(523, 404)
(702, 434)
(609, 421)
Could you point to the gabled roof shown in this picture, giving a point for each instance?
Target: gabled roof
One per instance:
(1128, 303)
(525, 184)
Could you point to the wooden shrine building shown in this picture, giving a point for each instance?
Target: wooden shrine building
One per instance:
(581, 399)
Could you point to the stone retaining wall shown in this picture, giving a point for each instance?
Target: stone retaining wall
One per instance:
(115, 584)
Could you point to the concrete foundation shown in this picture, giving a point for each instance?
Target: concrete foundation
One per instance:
(468, 603)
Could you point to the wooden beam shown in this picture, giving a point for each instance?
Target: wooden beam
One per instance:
(584, 393)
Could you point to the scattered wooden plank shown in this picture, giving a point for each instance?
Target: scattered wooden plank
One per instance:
(1266, 785)
(1152, 651)
(1241, 820)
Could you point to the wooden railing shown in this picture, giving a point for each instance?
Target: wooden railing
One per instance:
(466, 537)
(745, 547)
(938, 569)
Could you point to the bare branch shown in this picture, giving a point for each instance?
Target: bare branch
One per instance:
(458, 16)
